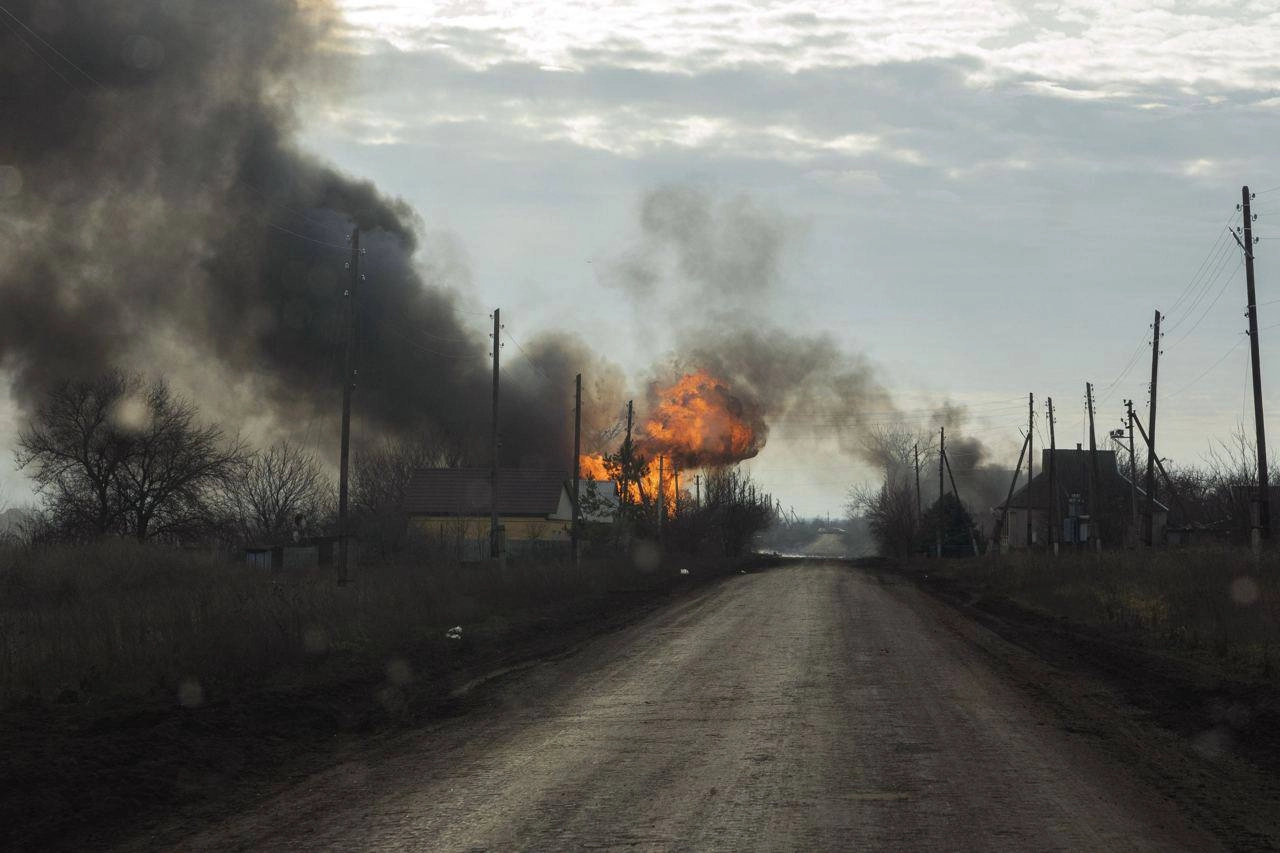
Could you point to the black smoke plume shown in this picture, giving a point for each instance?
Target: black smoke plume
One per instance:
(153, 201)
(719, 260)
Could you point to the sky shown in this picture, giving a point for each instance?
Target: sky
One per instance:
(982, 199)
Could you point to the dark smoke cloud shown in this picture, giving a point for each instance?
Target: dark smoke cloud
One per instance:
(717, 253)
(147, 194)
(721, 262)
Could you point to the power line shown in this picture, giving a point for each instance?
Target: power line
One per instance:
(417, 346)
(532, 361)
(1210, 368)
(1224, 258)
(325, 243)
(1124, 371)
(1219, 245)
(1206, 311)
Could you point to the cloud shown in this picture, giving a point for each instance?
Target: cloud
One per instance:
(1102, 42)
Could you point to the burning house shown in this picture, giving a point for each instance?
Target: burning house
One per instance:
(694, 423)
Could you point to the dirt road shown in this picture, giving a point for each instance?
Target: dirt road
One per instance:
(806, 708)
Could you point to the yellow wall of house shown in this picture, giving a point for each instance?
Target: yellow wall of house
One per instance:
(517, 529)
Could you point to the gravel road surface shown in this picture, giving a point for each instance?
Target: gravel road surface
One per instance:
(814, 707)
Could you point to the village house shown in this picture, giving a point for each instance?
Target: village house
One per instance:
(449, 510)
(1078, 522)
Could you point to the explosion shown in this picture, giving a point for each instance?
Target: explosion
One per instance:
(695, 423)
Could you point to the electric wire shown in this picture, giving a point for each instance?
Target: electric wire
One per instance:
(530, 359)
(1210, 368)
(1227, 281)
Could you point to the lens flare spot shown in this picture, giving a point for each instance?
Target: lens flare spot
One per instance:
(1244, 591)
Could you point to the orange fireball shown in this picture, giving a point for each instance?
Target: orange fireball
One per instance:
(695, 423)
(699, 422)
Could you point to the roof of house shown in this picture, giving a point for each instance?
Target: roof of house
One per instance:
(1072, 474)
(466, 491)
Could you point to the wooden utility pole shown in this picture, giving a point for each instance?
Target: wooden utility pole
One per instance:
(1054, 523)
(973, 541)
(348, 385)
(662, 498)
(576, 532)
(1262, 516)
(1031, 463)
(919, 501)
(942, 455)
(1004, 516)
(1150, 524)
(1095, 507)
(1168, 481)
(626, 459)
(697, 495)
(1133, 474)
(495, 535)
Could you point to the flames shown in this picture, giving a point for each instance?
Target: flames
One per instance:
(695, 423)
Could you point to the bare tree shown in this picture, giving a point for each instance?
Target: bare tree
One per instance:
(381, 480)
(118, 454)
(892, 509)
(73, 449)
(891, 513)
(279, 490)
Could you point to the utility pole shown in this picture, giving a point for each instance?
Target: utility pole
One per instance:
(662, 498)
(1054, 523)
(1133, 474)
(697, 485)
(1095, 508)
(1168, 481)
(675, 488)
(1031, 463)
(348, 385)
(626, 459)
(1004, 516)
(576, 533)
(919, 502)
(495, 538)
(973, 541)
(1150, 526)
(942, 455)
(1262, 520)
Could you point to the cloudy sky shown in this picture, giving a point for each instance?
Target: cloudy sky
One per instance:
(982, 198)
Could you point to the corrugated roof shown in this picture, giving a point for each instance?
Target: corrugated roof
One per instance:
(465, 491)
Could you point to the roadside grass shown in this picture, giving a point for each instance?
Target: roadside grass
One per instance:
(122, 621)
(1217, 603)
(138, 683)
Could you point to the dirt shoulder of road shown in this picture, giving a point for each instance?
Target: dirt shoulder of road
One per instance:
(1204, 738)
(78, 778)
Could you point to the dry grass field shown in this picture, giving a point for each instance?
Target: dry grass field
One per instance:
(120, 621)
(137, 682)
(1216, 603)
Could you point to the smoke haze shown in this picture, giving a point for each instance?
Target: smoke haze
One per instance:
(158, 211)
